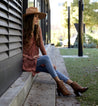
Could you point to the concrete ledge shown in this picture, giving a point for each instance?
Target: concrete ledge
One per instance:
(42, 93)
(16, 94)
(47, 47)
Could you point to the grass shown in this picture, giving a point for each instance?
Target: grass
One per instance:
(85, 72)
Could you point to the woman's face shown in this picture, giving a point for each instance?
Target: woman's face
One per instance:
(36, 19)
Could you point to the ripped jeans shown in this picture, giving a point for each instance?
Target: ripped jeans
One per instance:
(48, 68)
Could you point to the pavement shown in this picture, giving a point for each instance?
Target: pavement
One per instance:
(43, 91)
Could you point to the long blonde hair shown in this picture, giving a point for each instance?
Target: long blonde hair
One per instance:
(28, 28)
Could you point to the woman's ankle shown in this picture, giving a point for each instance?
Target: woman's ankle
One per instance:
(57, 79)
(69, 82)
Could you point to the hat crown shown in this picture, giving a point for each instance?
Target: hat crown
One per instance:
(31, 10)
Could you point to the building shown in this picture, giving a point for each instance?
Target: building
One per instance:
(11, 23)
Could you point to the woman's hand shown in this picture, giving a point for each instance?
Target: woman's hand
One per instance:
(42, 65)
(54, 66)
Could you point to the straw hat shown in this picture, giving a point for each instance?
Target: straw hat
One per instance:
(34, 10)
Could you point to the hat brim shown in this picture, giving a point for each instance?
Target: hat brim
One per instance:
(41, 15)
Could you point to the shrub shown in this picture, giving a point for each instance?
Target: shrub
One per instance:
(75, 45)
(85, 45)
(58, 44)
(89, 42)
(91, 45)
(92, 42)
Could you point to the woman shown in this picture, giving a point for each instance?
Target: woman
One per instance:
(32, 62)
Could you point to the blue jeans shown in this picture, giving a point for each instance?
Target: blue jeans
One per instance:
(48, 68)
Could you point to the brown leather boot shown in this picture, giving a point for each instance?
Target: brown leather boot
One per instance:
(77, 88)
(62, 89)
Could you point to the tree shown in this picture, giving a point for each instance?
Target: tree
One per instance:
(73, 16)
(90, 16)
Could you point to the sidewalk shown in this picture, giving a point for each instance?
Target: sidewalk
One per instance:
(43, 91)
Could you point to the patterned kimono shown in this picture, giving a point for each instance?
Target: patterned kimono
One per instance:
(31, 53)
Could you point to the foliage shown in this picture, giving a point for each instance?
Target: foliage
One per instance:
(75, 45)
(58, 44)
(91, 39)
(90, 15)
(73, 17)
(54, 38)
(65, 15)
(85, 72)
(88, 42)
(57, 36)
(91, 45)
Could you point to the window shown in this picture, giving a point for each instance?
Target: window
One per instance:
(10, 29)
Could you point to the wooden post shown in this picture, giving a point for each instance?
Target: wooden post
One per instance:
(69, 27)
(80, 30)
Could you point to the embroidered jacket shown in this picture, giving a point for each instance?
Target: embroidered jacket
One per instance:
(31, 53)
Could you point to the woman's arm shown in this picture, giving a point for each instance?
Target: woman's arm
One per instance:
(42, 48)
